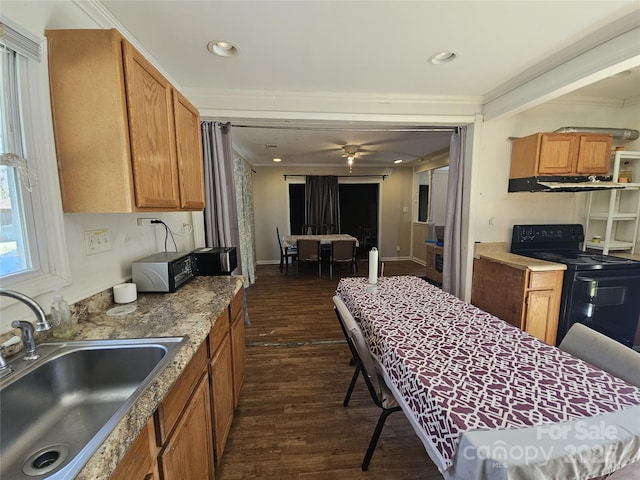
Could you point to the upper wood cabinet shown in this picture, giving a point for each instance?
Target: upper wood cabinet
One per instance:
(189, 148)
(126, 139)
(549, 154)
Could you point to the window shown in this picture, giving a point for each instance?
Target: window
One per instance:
(32, 251)
(18, 249)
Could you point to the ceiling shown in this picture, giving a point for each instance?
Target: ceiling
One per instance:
(355, 49)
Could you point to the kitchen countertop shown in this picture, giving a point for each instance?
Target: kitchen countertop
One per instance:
(189, 312)
(498, 252)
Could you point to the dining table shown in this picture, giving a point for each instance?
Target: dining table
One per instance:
(487, 400)
(292, 240)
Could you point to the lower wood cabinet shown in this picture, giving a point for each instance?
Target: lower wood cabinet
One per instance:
(529, 300)
(139, 463)
(183, 424)
(187, 453)
(221, 374)
(237, 345)
(186, 437)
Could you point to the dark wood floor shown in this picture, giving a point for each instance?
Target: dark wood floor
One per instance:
(290, 422)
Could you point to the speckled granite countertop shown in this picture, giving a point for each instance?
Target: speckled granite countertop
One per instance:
(189, 312)
(498, 252)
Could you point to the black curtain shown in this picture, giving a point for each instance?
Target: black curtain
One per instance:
(322, 200)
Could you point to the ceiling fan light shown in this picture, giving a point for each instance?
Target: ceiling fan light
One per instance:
(350, 160)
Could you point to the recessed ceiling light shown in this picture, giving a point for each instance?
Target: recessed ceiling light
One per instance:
(442, 57)
(398, 161)
(277, 160)
(223, 48)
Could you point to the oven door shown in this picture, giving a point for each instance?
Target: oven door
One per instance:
(605, 300)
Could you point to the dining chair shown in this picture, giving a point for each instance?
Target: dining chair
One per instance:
(343, 252)
(286, 253)
(380, 393)
(309, 251)
(327, 229)
(309, 229)
(602, 352)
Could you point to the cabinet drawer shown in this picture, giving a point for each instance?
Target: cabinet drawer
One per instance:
(218, 332)
(543, 280)
(171, 407)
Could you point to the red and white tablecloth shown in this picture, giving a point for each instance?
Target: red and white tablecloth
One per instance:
(460, 369)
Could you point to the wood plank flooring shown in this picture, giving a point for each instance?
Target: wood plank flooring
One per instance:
(290, 422)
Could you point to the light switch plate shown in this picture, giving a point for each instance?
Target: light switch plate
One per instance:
(97, 241)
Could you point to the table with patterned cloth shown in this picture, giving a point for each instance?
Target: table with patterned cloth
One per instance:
(292, 240)
(488, 400)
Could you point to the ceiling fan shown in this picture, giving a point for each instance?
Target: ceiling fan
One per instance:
(351, 152)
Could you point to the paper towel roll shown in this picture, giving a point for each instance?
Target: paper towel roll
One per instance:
(124, 293)
(373, 266)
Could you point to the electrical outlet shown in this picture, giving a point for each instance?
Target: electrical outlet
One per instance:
(97, 241)
(142, 222)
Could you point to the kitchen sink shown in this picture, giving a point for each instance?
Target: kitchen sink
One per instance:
(56, 411)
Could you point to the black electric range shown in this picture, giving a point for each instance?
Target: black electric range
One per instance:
(601, 291)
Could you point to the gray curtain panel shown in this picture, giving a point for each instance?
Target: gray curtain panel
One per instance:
(322, 201)
(220, 214)
(453, 218)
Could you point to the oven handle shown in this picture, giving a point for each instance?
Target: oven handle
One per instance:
(612, 277)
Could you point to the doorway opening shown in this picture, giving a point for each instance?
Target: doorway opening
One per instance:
(359, 207)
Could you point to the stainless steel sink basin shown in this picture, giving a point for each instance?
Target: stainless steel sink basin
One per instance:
(55, 412)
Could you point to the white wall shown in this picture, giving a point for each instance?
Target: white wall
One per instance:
(496, 209)
(91, 274)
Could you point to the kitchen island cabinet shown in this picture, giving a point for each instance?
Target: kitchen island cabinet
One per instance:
(550, 154)
(126, 139)
(525, 298)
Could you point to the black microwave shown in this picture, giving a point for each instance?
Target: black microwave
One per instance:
(215, 260)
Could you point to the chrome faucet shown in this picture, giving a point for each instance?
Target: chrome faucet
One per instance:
(27, 328)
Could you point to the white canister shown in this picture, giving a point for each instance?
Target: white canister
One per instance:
(373, 266)
(124, 293)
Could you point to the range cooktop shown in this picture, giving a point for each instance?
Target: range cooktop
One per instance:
(560, 243)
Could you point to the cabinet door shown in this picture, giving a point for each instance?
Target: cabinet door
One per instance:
(558, 154)
(539, 320)
(221, 372)
(189, 151)
(188, 452)
(151, 131)
(594, 155)
(139, 462)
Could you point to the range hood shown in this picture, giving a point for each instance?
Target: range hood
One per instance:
(563, 184)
